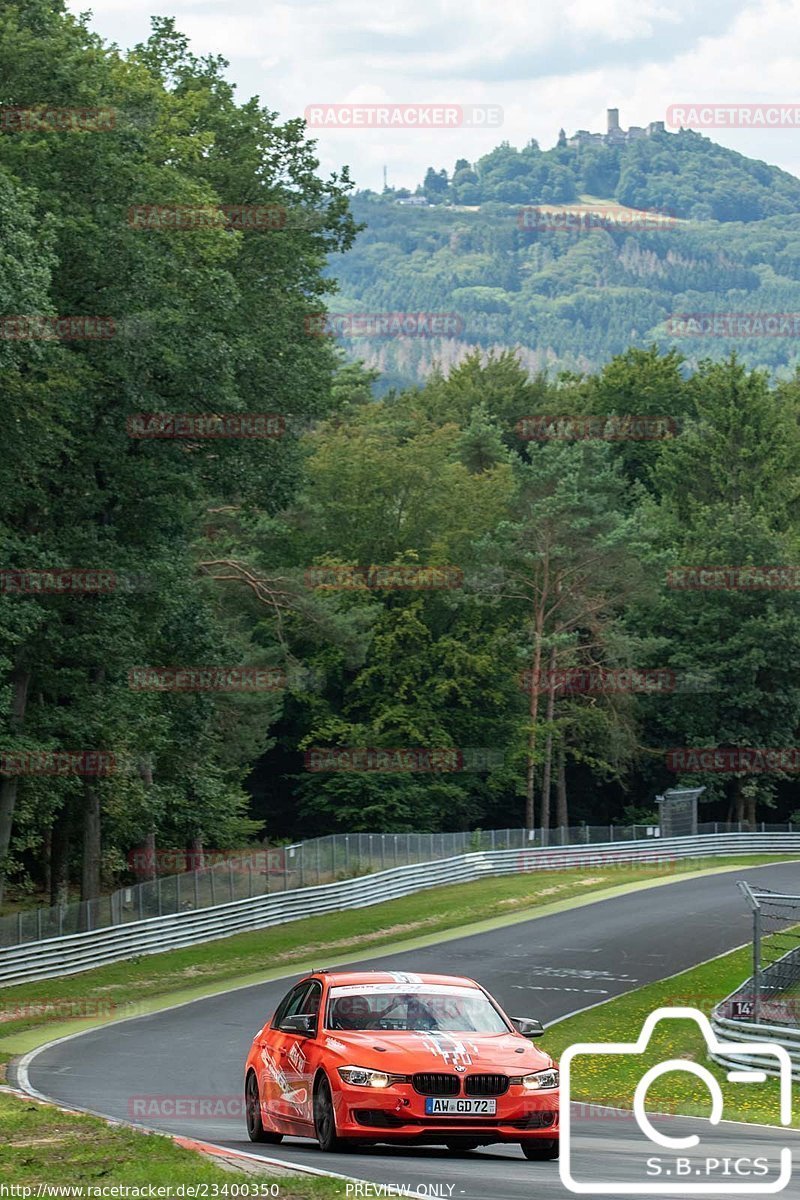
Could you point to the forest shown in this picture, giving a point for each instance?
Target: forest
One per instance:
(370, 605)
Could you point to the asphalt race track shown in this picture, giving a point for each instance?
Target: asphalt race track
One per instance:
(545, 968)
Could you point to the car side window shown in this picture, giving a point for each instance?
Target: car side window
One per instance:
(289, 1004)
(311, 1000)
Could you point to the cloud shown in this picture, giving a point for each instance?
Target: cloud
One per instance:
(547, 66)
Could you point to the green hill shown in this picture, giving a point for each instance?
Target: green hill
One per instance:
(571, 299)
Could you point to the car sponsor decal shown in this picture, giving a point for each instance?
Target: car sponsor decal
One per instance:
(454, 1052)
(402, 977)
(297, 1058)
(275, 1072)
(333, 1044)
(407, 989)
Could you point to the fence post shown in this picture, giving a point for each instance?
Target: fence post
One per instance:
(611, 833)
(177, 893)
(38, 924)
(196, 890)
(159, 895)
(757, 963)
(19, 928)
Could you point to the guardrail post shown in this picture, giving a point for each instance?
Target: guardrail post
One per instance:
(757, 964)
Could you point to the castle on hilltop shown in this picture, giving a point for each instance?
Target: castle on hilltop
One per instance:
(614, 135)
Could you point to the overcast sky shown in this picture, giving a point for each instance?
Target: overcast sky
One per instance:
(546, 65)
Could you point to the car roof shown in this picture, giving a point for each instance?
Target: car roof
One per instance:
(353, 978)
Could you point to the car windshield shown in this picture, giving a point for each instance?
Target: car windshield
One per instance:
(455, 1010)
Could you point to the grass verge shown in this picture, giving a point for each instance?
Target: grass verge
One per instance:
(612, 1079)
(41, 1144)
(138, 985)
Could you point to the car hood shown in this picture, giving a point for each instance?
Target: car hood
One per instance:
(406, 1053)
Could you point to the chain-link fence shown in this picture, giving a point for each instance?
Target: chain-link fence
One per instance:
(244, 874)
(772, 993)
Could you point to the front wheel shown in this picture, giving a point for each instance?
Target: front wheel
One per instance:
(540, 1151)
(325, 1118)
(252, 1107)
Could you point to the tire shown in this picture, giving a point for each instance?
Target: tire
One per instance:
(540, 1151)
(461, 1147)
(325, 1118)
(252, 1108)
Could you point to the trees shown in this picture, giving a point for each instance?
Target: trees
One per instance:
(567, 569)
(209, 304)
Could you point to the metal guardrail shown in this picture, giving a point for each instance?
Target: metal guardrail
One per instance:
(763, 1008)
(73, 953)
(208, 879)
(731, 1030)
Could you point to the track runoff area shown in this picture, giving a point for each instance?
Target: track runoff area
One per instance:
(547, 968)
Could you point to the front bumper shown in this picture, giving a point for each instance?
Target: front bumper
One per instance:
(398, 1113)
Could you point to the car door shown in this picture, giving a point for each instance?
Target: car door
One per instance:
(299, 1057)
(287, 1088)
(273, 1050)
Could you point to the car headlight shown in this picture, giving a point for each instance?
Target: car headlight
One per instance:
(364, 1077)
(540, 1079)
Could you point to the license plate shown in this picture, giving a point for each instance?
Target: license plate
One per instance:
(438, 1106)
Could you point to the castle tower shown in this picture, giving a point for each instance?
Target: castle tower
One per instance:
(612, 115)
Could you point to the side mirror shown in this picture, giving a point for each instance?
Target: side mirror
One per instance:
(528, 1027)
(302, 1023)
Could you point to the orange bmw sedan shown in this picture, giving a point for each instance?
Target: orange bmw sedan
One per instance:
(358, 1057)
